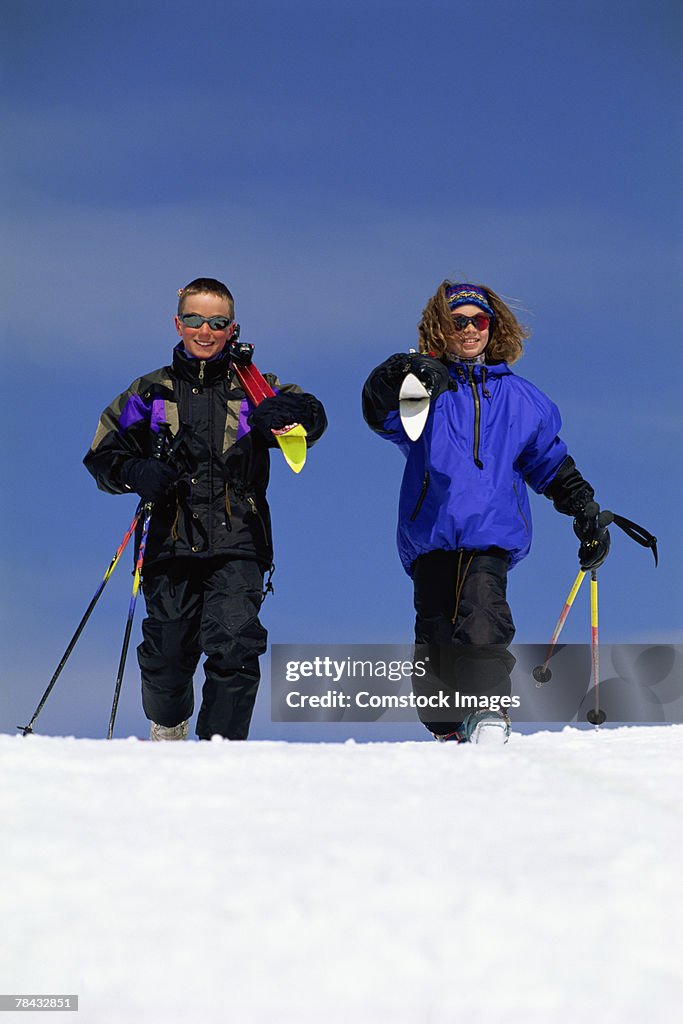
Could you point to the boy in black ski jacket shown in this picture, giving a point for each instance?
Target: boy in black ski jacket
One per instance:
(209, 542)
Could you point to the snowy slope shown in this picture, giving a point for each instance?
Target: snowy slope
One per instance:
(402, 882)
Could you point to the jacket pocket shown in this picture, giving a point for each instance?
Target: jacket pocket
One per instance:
(421, 498)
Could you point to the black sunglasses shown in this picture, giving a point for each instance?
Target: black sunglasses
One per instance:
(216, 323)
(480, 321)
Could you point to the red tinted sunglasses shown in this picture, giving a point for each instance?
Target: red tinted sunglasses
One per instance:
(480, 320)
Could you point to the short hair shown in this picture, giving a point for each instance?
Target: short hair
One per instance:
(205, 286)
(436, 328)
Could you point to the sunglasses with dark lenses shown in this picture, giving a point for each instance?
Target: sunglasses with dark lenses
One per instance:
(480, 320)
(216, 323)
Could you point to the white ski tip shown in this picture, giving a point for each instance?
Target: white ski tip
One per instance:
(413, 404)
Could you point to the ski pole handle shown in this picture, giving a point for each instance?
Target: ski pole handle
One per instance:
(161, 441)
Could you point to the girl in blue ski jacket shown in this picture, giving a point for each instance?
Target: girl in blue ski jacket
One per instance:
(464, 515)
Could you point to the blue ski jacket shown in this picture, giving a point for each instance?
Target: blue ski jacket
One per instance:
(465, 480)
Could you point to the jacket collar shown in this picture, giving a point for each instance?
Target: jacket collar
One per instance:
(460, 369)
(188, 368)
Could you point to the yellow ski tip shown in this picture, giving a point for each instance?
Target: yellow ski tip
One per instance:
(292, 441)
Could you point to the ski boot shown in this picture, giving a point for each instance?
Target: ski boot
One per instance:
(489, 728)
(168, 732)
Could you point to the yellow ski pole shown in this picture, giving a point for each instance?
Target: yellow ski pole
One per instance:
(595, 716)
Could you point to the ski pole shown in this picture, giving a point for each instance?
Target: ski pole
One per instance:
(131, 612)
(161, 448)
(542, 673)
(27, 729)
(595, 716)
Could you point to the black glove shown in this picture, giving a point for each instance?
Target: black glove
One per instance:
(381, 389)
(150, 478)
(391, 372)
(590, 526)
(574, 496)
(431, 372)
(283, 410)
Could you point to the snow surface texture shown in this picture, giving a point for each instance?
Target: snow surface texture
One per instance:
(381, 882)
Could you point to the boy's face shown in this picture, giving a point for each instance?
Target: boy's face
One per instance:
(202, 342)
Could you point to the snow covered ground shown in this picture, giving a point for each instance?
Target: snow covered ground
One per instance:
(380, 882)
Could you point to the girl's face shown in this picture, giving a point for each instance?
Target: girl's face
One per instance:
(469, 342)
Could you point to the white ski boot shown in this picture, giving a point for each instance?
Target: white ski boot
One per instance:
(488, 728)
(168, 732)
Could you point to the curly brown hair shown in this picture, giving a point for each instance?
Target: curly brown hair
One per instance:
(435, 330)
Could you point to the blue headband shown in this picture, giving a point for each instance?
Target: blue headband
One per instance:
(467, 295)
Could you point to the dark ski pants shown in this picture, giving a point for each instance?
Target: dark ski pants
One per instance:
(199, 605)
(464, 626)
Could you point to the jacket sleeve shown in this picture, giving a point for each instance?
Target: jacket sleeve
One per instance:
(545, 450)
(380, 401)
(568, 490)
(120, 436)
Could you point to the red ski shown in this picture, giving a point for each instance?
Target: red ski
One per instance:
(292, 438)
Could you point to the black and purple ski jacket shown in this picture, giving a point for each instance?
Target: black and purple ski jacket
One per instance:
(219, 506)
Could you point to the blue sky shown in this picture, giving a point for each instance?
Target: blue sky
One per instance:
(333, 163)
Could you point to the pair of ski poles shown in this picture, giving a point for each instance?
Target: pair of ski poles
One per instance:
(542, 674)
(144, 509)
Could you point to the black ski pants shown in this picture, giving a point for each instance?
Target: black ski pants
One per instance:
(197, 605)
(463, 625)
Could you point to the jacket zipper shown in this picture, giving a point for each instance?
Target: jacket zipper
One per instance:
(252, 506)
(202, 364)
(210, 414)
(477, 416)
(423, 493)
